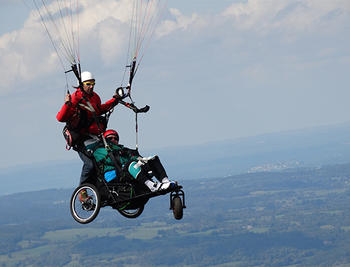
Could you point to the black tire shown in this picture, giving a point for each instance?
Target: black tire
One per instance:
(177, 208)
(132, 213)
(87, 211)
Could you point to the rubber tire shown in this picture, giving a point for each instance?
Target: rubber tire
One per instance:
(177, 208)
(134, 214)
(75, 197)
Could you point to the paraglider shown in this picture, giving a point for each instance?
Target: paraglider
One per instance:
(87, 119)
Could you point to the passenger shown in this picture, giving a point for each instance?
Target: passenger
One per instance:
(128, 159)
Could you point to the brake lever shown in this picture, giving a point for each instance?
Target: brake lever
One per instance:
(143, 110)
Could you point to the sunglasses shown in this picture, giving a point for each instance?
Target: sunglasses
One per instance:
(89, 83)
(111, 137)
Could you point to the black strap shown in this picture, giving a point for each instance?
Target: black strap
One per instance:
(116, 161)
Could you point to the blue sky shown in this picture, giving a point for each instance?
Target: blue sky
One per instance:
(215, 70)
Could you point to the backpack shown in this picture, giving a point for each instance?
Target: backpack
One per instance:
(70, 136)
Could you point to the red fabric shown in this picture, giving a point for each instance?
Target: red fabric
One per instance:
(68, 110)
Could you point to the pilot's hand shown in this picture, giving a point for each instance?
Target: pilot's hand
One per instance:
(67, 98)
(119, 93)
(116, 96)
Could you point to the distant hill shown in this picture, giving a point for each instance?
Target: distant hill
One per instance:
(301, 148)
(269, 152)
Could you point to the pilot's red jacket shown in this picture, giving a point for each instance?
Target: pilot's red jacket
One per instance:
(72, 112)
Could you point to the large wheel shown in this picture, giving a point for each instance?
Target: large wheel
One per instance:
(131, 213)
(85, 211)
(177, 208)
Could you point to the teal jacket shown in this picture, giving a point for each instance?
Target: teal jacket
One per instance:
(125, 155)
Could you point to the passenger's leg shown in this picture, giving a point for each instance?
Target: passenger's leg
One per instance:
(157, 168)
(137, 171)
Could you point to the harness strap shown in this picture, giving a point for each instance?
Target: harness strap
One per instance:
(91, 108)
(116, 161)
(88, 107)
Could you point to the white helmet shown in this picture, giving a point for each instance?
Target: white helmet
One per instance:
(86, 76)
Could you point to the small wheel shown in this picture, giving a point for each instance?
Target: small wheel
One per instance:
(85, 209)
(131, 213)
(177, 208)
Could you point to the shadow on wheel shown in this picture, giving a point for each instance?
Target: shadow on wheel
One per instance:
(131, 213)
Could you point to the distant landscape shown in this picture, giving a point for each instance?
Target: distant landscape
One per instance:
(296, 217)
(279, 199)
(311, 147)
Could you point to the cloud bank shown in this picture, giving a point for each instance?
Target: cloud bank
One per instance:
(103, 31)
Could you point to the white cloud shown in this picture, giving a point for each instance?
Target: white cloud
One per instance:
(111, 36)
(105, 23)
(104, 30)
(287, 15)
(24, 56)
(181, 22)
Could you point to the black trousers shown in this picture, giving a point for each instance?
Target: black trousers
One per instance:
(156, 167)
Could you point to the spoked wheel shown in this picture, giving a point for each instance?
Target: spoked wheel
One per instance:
(85, 203)
(131, 213)
(177, 208)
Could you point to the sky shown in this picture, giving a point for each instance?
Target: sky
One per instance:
(214, 71)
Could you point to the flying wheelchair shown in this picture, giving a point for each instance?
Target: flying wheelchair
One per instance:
(124, 194)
